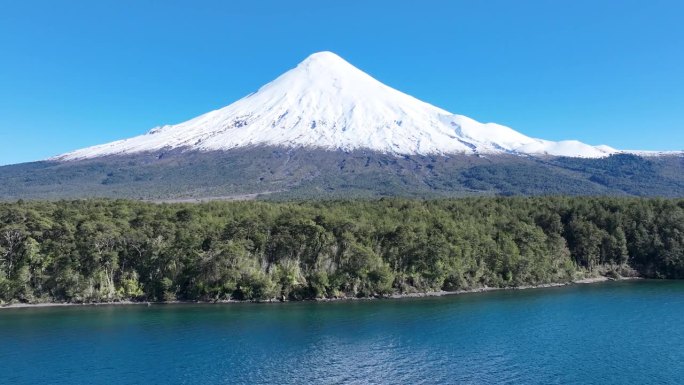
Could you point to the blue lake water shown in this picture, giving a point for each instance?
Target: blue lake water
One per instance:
(612, 333)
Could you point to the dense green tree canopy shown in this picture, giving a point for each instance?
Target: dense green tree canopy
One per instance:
(111, 250)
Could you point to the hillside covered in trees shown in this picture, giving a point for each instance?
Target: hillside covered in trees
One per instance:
(284, 174)
(113, 250)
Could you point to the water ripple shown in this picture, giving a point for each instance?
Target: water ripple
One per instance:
(618, 333)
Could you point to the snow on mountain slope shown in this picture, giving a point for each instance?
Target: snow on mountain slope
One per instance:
(325, 102)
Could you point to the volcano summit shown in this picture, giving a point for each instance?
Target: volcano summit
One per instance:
(327, 103)
(326, 129)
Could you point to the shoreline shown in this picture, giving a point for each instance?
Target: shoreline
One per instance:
(441, 293)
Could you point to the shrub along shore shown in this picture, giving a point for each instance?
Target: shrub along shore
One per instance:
(94, 251)
(427, 294)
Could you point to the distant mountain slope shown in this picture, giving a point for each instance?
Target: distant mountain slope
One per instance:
(327, 130)
(326, 103)
(280, 173)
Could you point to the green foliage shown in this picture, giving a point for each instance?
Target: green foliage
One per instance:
(282, 174)
(112, 250)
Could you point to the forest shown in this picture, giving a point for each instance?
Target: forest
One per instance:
(104, 250)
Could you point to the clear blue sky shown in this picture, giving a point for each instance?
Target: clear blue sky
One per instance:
(78, 73)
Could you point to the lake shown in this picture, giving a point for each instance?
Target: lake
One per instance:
(608, 333)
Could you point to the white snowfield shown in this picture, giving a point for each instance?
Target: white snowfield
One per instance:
(325, 102)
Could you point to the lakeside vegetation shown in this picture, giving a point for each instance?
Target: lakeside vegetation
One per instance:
(115, 250)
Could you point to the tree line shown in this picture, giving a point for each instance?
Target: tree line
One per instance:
(113, 250)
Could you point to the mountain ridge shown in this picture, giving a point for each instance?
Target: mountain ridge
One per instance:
(327, 103)
(327, 130)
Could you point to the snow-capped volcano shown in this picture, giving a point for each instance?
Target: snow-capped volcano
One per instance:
(325, 102)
